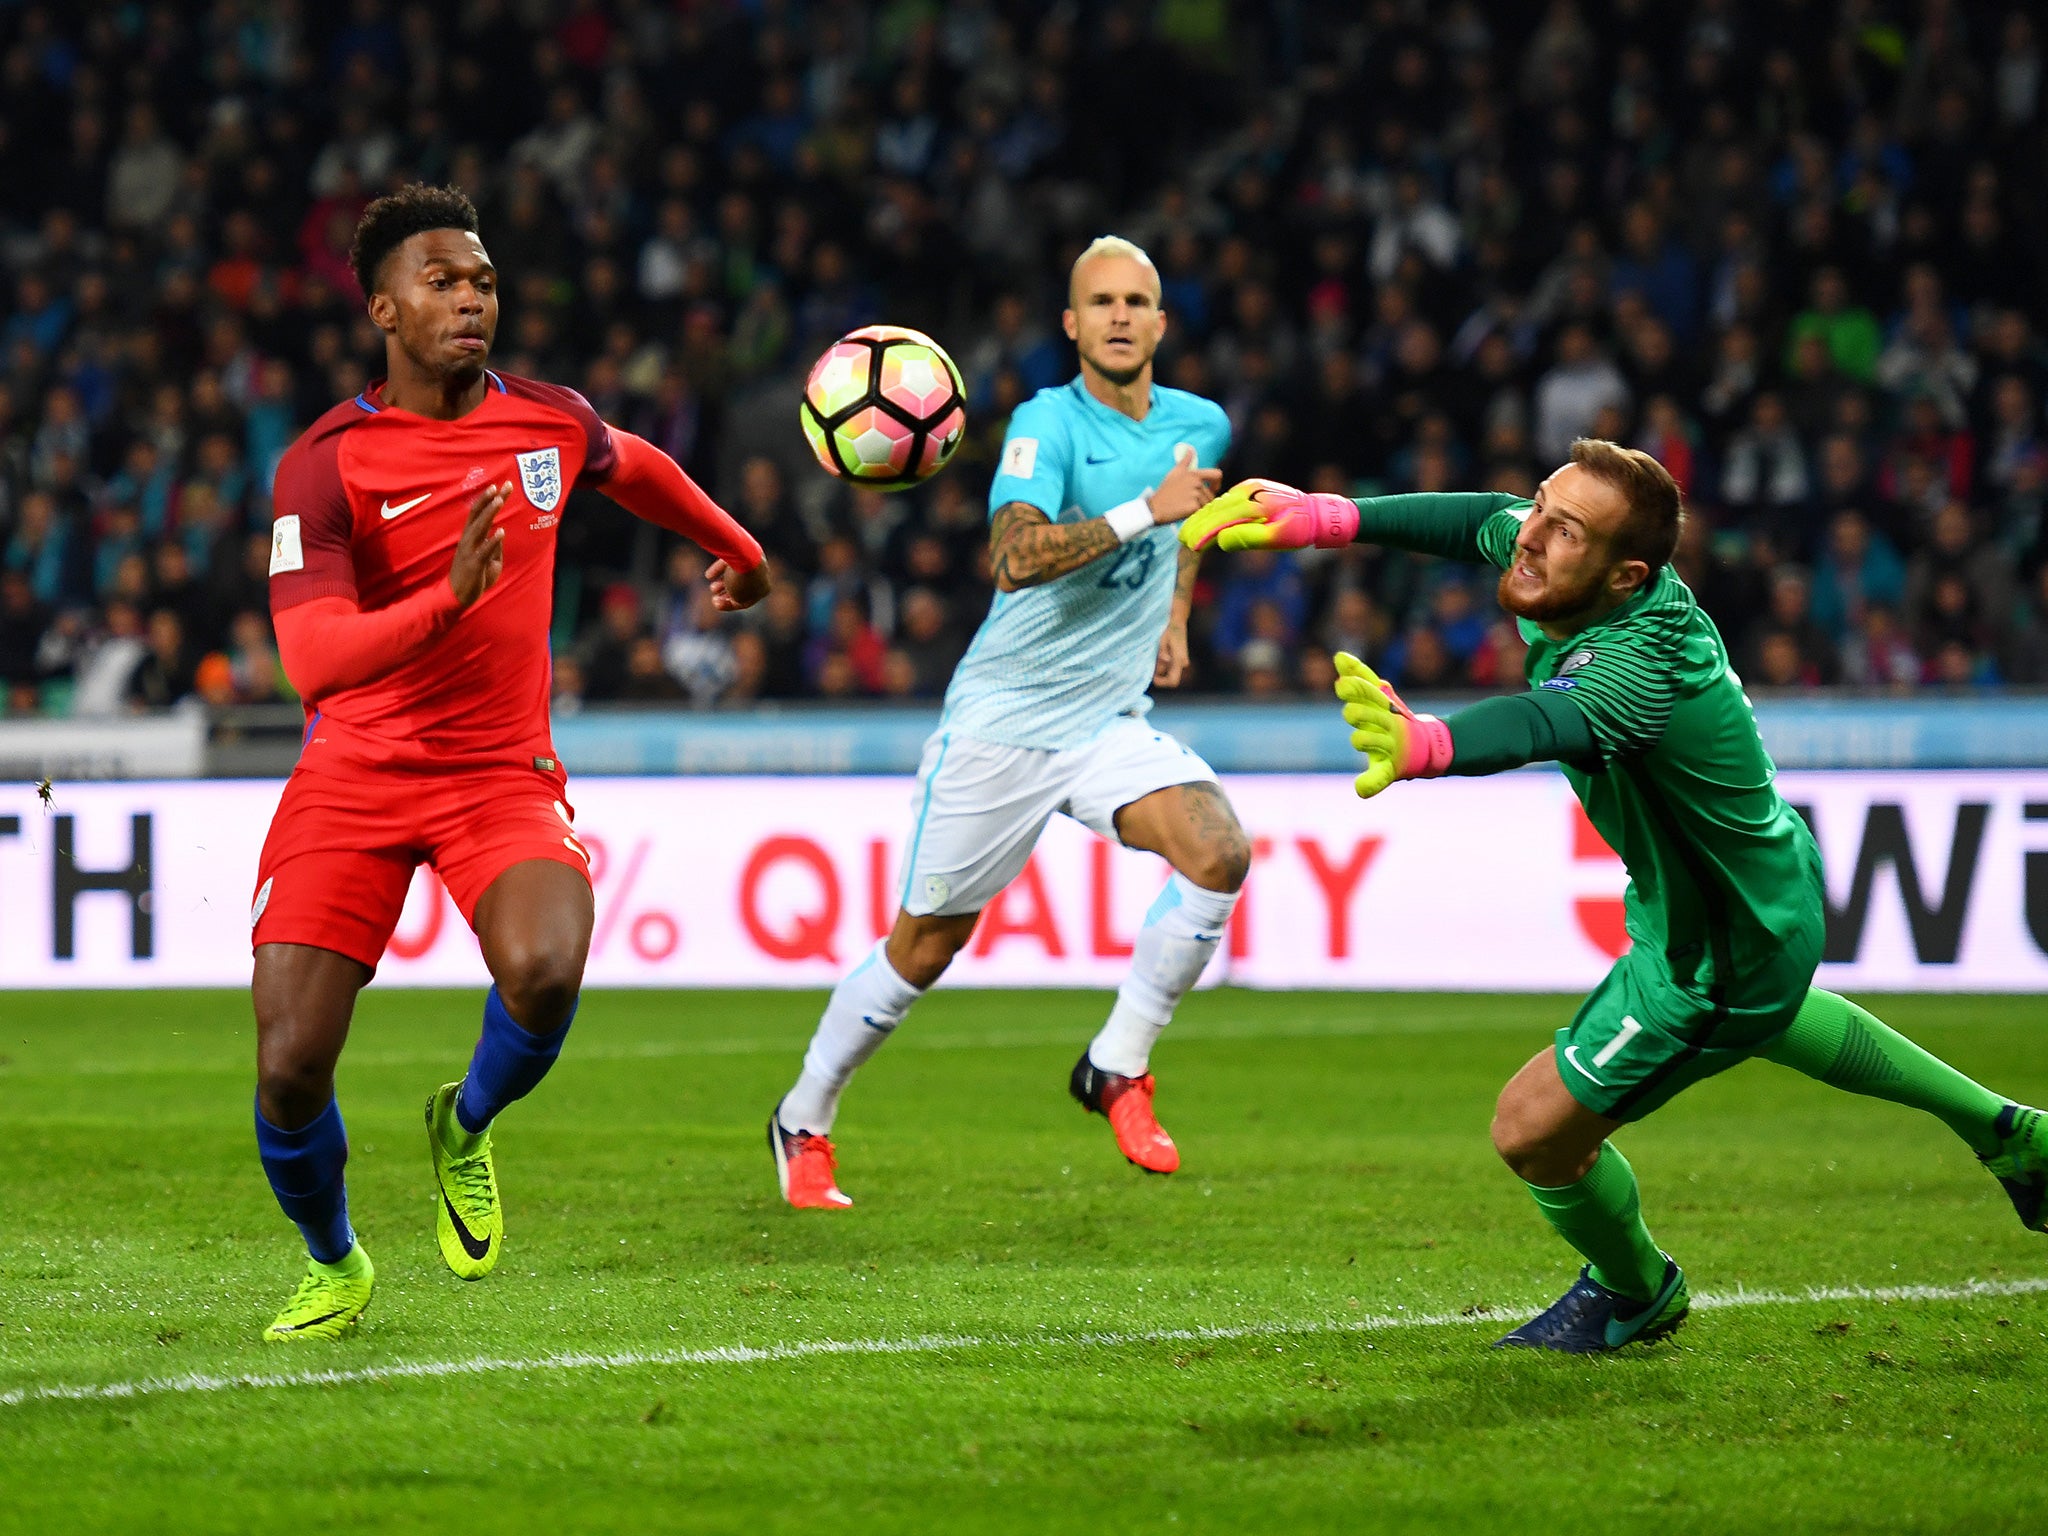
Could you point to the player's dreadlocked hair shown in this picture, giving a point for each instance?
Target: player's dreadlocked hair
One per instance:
(391, 221)
(1656, 507)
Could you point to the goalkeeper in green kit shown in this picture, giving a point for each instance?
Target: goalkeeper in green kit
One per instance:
(1631, 693)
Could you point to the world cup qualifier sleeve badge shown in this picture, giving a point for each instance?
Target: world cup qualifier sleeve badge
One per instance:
(540, 476)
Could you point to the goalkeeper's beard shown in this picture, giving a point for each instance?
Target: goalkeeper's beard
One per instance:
(1553, 603)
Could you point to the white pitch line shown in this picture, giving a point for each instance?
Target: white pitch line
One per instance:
(928, 1344)
(1222, 1032)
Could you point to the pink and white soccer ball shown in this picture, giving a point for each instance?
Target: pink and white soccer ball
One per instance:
(884, 406)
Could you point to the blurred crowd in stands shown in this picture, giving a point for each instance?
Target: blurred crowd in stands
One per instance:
(1798, 249)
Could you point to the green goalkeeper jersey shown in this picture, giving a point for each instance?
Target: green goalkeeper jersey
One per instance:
(1722, 872)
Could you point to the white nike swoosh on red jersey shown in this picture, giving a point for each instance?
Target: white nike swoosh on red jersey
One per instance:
(390, 511)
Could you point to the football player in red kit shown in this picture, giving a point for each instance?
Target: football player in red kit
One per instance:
(411, 579)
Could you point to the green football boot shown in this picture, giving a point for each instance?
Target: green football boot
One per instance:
(467, 1217)
(328, 1301)
(2021, 1163)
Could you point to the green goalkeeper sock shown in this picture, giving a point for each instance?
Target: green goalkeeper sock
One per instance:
(1602, 1217)
(1848, 1047)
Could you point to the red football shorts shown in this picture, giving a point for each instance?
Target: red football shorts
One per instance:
(343, 846)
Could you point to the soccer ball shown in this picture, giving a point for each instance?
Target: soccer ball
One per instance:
(884, 407)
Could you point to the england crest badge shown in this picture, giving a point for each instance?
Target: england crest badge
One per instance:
(540, 474)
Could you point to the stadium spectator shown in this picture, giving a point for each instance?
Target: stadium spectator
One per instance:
(647, 679)
(607, 652)
(929, 642)
(565, 689)
(167, 672)
(1421, 249)
(22, 622)
(1847, 331)
(1785, 647)
(1572, 393)
(2026, 658)
(1857, 568)
(109, 662)
(1764, 475)
(780, 626)
(848, 656)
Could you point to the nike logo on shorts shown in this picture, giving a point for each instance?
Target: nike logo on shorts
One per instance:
(389, 511)
(1571, 1054)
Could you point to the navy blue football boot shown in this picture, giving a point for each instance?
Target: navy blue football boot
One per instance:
(1589, 1319)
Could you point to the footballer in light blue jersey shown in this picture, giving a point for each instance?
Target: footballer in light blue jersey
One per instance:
(1046, 717)
(1053, 664)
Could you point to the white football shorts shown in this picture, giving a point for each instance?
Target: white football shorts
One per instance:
(980, 806)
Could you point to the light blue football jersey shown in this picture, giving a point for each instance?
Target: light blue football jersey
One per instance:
(1054, 664)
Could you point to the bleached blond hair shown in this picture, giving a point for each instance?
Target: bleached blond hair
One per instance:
(1112, 245)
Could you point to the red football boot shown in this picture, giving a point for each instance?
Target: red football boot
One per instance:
(1126, 1102)
(804, 1166)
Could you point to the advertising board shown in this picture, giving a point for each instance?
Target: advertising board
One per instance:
(1937, 880)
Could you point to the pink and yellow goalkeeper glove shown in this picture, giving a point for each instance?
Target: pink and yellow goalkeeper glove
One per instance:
(1397, 742)
(1264, 514)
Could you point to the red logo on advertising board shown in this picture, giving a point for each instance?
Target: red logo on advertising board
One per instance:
(1338, 883)
(999, 922)
(1600, 917)
(404, 946)
(808, 935)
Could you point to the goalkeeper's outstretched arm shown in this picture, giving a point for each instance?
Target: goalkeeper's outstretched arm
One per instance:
(1263, 514)
(1517, 729)
(1489, 737)
(1445, 524)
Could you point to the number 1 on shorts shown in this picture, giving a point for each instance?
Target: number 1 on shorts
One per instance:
(1629, 1030)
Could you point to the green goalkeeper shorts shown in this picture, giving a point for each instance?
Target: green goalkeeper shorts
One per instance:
(1640, 1039)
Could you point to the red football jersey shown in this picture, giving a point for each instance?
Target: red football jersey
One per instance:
(369, 504)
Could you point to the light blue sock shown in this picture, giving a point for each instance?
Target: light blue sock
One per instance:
(1180, 933)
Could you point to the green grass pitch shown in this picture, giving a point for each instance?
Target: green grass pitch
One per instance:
(1274, 1339)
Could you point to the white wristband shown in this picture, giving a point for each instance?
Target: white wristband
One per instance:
(1131, 519)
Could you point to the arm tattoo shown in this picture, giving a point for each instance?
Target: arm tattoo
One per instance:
(1184, 583)
(1027, 548)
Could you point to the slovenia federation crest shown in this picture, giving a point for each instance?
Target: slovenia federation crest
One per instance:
(540, 474)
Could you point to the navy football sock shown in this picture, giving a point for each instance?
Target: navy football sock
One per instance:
(507, 1063)
(304, 1168)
